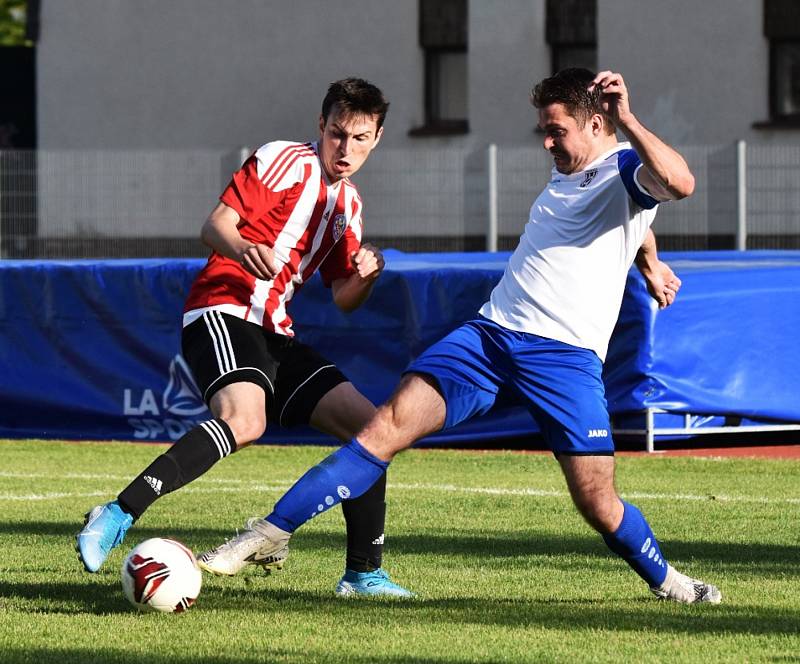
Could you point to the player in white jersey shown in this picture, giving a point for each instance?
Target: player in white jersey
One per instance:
(543, 334)
(290, 211)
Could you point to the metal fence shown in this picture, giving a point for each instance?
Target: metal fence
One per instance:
(77, 204)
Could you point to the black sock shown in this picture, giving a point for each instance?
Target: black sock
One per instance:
(365, 517)
(190, 457)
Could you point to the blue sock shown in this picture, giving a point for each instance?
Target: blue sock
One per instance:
(347, 473)
(636, 544)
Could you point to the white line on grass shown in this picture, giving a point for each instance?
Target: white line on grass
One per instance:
(282, 485)
(540, 493)
(108, 494)
(49, 496)
(543, 493)
(126, 478)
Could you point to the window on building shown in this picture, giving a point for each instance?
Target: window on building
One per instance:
(571, 32)
(443, 38)
(782, 28)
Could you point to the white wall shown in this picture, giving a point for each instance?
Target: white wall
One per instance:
(210, 76)
(698, 72)
(213, 73)
(507, 54)
(198, 74)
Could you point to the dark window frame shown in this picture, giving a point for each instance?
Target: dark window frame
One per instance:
(781, 28)
(443, 28)
(570, 24)
(775, 101)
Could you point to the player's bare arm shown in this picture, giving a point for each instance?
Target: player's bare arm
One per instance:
(662, 283)
(221, 233)
(666, 174)
(352, 292)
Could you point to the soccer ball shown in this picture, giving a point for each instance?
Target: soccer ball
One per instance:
(161, 575)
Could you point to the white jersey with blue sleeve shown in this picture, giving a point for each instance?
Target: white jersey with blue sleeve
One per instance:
(566, 278)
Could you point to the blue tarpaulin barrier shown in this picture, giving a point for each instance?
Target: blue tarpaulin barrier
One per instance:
(91, 349)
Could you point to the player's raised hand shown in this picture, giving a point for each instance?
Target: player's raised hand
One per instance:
(614, 95)
(368, 262)
(259, 260)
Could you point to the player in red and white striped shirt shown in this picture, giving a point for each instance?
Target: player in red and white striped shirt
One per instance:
(283, 201)
(291, 210)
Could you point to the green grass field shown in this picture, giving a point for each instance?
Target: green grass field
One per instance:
(505, 569)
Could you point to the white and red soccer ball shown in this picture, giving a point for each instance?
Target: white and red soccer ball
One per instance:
(161, 575)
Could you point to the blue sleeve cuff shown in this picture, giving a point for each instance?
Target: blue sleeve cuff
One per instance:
(629, 164)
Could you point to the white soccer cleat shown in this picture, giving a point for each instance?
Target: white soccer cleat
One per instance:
(681, 588)
(260, 544)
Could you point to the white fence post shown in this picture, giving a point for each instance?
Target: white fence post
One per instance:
(741, 196)
(491, 231)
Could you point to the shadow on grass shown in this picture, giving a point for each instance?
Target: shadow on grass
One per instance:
(766, 557)
(265, 654)
(608, 615)
(503, 545)
(92, 596)
(604, 615)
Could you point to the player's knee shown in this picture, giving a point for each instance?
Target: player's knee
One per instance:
(342, 412)
(399, 427)
(603, 513)
(247, 428)
(384, 436)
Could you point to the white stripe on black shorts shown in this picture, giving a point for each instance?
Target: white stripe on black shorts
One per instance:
(221, 349)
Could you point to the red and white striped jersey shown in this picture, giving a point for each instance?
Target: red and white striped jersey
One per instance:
(285, 201)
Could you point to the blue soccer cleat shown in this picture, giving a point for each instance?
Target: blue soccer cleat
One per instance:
(105, 528)
(371, 584)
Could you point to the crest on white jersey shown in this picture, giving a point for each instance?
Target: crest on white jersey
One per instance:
(339, 225)
(590, 175)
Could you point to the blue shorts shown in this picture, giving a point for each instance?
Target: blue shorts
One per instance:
(561, 385)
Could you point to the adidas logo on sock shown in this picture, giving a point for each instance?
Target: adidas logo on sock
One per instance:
(155, 484)
(379, 540)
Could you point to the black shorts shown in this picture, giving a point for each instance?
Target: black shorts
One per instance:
(221, 349)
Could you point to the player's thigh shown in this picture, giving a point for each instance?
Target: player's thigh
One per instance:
(564, 390)
(243, 407)
(465, 368)
(342, 412)
(591, 484)
(224, 351)
(221, 349)
(415, 410)
(311, 390)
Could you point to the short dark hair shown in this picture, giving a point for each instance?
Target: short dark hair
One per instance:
(570, 87)
(355, 96)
